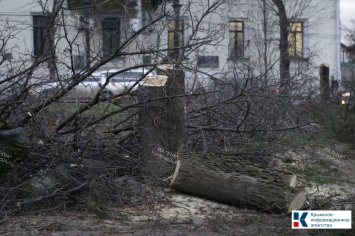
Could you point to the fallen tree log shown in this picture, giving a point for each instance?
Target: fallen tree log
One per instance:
(239, 180)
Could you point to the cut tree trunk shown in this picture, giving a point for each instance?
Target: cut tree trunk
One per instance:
(238, 180)
(162, 121)
(176, 122)
(151, 121)
(324, 82)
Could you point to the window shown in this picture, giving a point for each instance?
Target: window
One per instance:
(79, 62)
(147, 60)
(40, 36)
(7, 56)
(111, 35)
(171, 33)
(236, 39)
(295, 39)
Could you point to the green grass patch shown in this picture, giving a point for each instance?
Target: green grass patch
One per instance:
(315, 174)
(320, 138)
(96, 111)
(336, 120)
(99, 209)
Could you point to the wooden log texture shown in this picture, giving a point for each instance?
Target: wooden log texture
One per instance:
(234, 179)
(324, 82)
(176, 122)
(151, 122)
(162, 122)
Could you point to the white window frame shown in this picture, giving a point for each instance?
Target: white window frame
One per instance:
(245, 37)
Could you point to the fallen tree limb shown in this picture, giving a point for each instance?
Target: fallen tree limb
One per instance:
(54, 194)
(237, 180)
(4, 220)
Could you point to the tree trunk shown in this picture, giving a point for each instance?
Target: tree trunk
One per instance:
(162, 122)
(284, 54)
(324, 82)
(176, 121)
(57, 4)
(238, 180)
(265, 42)
(151, 120)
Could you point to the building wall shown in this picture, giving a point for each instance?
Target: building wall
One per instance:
(321, 43)
(348, 67)
(16, 19)
(19, 16)
(69, 40)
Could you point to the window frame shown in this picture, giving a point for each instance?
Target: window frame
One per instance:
(79, 62)
(232, 53)
(293, 33)
(41, 40)
(108, 33)
(181, 38)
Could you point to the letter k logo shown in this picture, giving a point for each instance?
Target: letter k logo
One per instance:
(302, 219)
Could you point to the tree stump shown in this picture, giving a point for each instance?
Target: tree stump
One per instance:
(176, 122)
(324, 82)
(162, 121)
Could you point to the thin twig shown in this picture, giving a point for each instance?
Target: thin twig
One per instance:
(54, 194)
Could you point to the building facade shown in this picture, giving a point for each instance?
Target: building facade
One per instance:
(348, 66)
(222, 38)
(243, 37)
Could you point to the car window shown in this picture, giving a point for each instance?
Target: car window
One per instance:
(92, 79)
(127, 76)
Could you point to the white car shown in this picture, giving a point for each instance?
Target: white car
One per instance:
(83, 91)
(87, 89)
(122, 82)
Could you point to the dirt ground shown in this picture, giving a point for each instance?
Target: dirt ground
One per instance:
(171, 213)
(177, 215)
(174, 214)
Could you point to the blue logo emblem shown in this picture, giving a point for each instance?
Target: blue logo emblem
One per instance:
(302, 219)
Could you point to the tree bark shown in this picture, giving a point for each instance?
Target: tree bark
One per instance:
(151, 120)
(176, 121)
(324, 82)
(284, 54)
(162, 123)
(57, 4)
(239, 180)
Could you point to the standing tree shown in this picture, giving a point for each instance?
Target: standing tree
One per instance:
(284, 46)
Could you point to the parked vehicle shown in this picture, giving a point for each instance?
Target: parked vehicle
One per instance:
(125, 81)
(87, 89)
